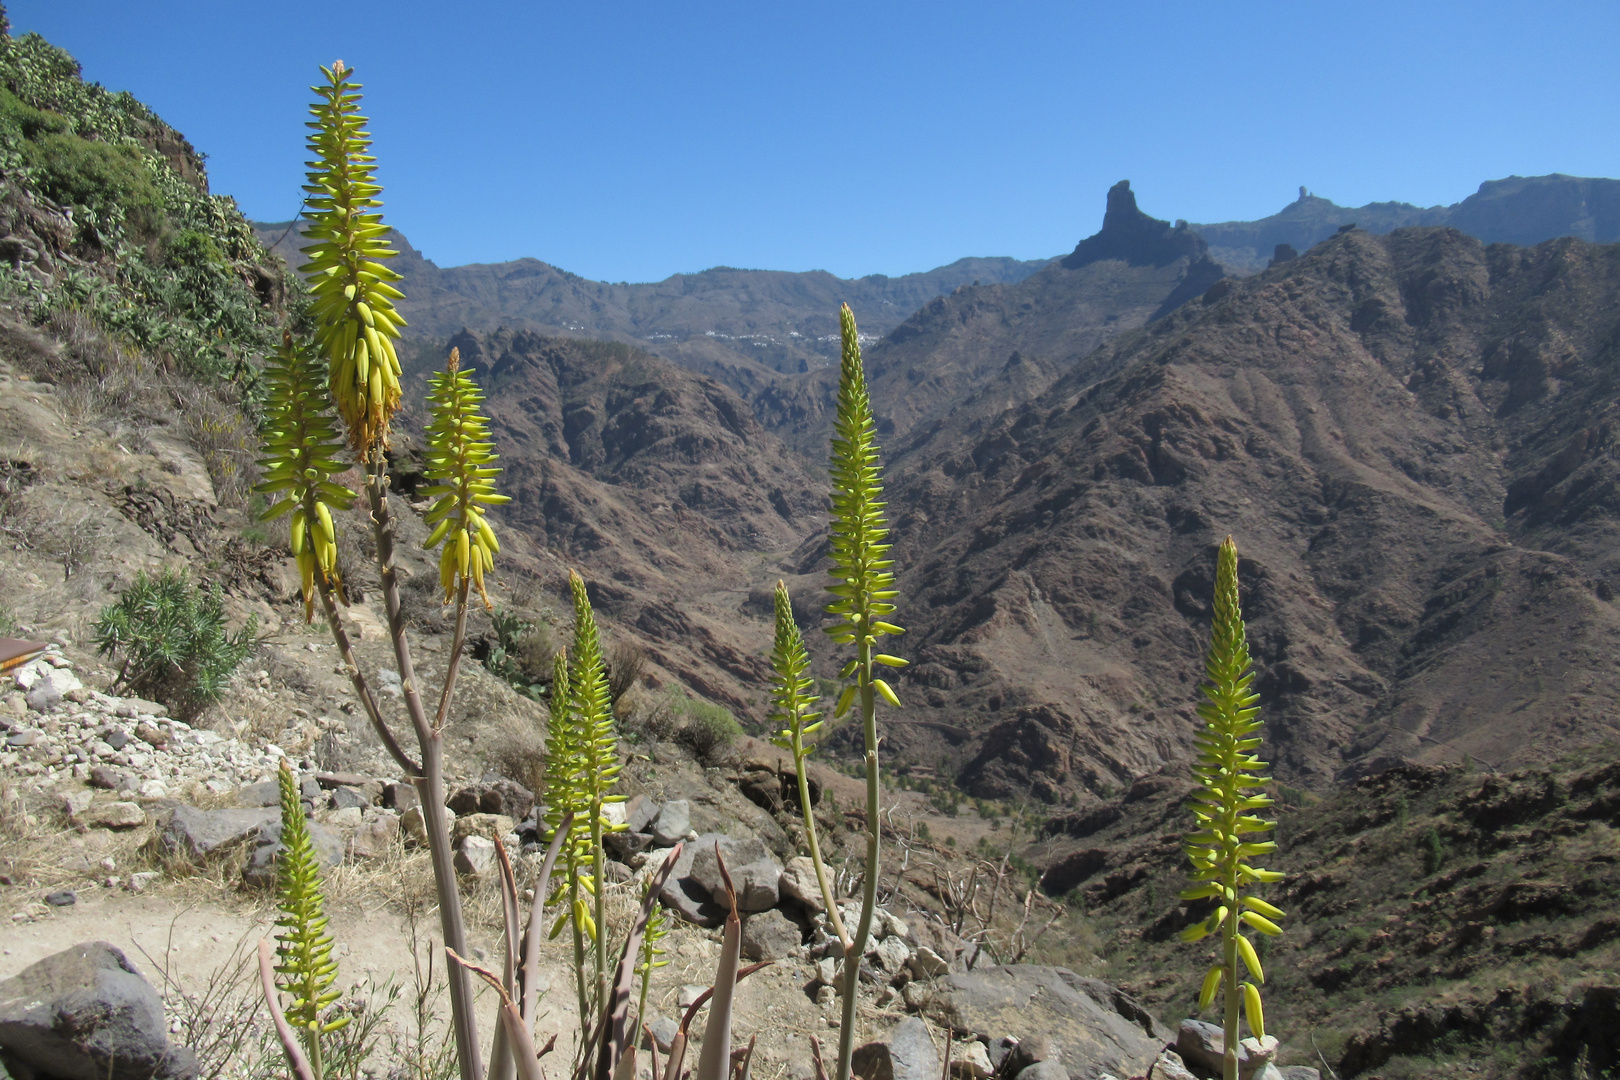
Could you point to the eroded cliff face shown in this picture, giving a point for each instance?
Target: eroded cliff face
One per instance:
(1411, 439)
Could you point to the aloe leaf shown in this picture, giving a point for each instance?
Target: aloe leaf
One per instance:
(715, 1060)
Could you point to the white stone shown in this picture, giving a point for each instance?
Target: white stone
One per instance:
(970, 1057)
(153, 789)
(928, 964)
(347, 818)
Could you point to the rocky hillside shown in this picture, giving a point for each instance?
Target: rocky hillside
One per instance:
(1522, 210)
(1441, 920)
(1407, 435)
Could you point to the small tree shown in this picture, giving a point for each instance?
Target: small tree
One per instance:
(1228, 774)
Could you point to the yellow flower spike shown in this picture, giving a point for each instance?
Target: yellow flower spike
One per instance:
(301, 449)
(862, 584)
(353, 305)
(458, 453)
(1228, 774)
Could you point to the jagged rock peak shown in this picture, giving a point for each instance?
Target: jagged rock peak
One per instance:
(1131, 236)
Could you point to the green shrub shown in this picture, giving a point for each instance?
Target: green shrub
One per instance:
(702, 726)
(173, 639)
(1434, 852)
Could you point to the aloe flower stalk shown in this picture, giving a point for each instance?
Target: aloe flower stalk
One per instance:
(303, 947)
(791, 692)
(863, 582)
(1228, 774)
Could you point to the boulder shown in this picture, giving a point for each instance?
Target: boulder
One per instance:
(268, 793)
(476, 856)
(1095, 1027)
(114, 815)
(87, 1014)
(505, 797)
(906, 1054)
(260, 871)
(970, 1060)
(489, 826)
(640, 812)
(769, 935)
(1169, 1066)
(891, 954)
(1051, 1069)
(1203, 1045)
(626, 844)
(754, 871)
(673, 822)
(201, 833)
(663, 1031)
(356, 798)
(798, 883)
(414, 822)
(104, 776)
(400, 796)
(375, 839)
(1033, 1051)
(925, 963)
(683, 894)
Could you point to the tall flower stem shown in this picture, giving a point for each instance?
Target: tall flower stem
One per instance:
(864, 586)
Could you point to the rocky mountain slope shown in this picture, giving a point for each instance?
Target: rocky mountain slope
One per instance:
(1522, 210)
(740, 326)
(661, 485)
(1407, 435)
(1013, 338)
(1441, 920)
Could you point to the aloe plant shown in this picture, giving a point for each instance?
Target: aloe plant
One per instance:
(355, 327)
(582, 764)
(304, 948)
(863, 583)
(1228, 775)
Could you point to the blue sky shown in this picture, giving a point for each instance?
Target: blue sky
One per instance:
(632, 140)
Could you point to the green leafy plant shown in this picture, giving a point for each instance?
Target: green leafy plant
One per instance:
(863, 582)
(305, 968)
(706, 729)
(97, 151)
(173, 639)
(302, 449)
(582, 768)
(1228, 775)
(1434, 851)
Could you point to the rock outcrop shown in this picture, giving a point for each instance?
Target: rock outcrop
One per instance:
(87, 1014)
